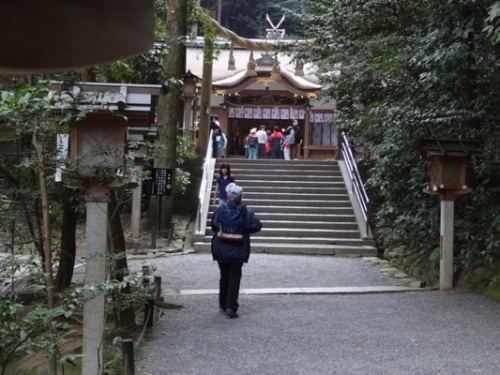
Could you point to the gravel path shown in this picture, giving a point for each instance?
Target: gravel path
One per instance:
(413, 333)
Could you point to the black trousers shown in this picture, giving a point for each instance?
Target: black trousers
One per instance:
(261, 151)
(229, 285)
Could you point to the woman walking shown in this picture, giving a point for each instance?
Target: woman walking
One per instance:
(223, 180)
(232, 224)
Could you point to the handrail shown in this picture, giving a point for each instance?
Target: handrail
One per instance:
(204, 182)
(358, 187)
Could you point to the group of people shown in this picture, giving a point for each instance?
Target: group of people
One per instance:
(262, 144)
(232, 224)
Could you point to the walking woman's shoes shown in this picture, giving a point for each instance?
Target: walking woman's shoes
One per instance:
(231, 313)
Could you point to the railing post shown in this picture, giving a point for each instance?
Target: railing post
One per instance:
(128, 357)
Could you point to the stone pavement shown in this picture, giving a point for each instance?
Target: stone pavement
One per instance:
(315, 315)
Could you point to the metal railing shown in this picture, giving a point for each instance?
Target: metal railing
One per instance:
(205, 180)
(357, 185)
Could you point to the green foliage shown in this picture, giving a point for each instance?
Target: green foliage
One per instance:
(403, 71)
(144, 69)
(34, 331)
(492, 26)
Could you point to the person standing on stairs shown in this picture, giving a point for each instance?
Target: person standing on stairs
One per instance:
(223, 180)
(215, 129)
(276, 141)
(232, 224)
(222, 145)
(252, 142)
(262, 137)
(295, 149)
(288, 142)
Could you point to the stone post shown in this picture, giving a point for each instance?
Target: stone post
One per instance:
(137, 197)
(96, 237)
(446, 244)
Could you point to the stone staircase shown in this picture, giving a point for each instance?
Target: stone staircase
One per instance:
(304, 206)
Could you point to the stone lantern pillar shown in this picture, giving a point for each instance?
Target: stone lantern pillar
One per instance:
(448, 159)
(189, 94)
(97, 146)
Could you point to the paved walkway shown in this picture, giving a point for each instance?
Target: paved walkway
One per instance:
(315, 315)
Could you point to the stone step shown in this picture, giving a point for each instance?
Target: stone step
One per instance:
(269, 203)
(257, 238)
(313, 207)
(304, 198)
(301, 225)
(292, 172)
(299, 192)
(305, 233)
(277, 164)
(284, 205)
(291, 184)
(338, 250)
(287, 178)
(303, 217)
(282, 172)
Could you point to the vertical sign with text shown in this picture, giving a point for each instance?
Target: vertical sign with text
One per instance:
(162, 181)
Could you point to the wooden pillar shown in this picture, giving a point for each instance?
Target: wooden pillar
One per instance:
(307, 121)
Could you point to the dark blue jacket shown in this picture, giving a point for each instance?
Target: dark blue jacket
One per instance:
(237, 252)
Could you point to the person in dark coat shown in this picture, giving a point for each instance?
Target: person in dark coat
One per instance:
(216, 131)
(276, 141)
(295, 149)
(230, 255)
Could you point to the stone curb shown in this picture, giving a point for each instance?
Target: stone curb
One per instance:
(403, 279)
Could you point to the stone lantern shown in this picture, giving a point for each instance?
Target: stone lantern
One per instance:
(97, 147)
(189, 94)
(449, 160)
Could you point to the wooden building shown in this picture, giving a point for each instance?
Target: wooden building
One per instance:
(250, 88)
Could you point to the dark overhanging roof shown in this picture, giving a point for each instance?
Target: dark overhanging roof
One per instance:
(450, 147)
(135, 101)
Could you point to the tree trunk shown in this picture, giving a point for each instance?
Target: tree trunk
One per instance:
(171, 106)
(119, 267)
(206, 92)
(49, 276)
(68, 242)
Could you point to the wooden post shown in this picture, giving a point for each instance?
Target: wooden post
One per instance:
(307, 117)
(128, 357)
(149, 309)
(157, 282)
(150, 302)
